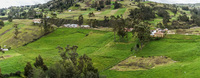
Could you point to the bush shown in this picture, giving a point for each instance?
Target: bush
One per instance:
(1, 23)
(183, 18)
(28, 70)
(77, 5)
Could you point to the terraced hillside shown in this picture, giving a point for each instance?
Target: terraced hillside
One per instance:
(27, 33)
(98, 45)
(184, 50)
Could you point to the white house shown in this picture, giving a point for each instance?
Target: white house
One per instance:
(66, 25)
(74, 25)
(85, 26)
(71, 25)
(37, 21)
(153, 32)
(2, 49)
(158, 32)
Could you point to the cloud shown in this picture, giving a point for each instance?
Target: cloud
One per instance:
(176, 1)
(8, 3)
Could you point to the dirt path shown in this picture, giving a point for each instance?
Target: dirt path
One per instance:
(113, 11)
(5, 32)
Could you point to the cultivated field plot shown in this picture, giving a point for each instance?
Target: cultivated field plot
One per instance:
(98, 45)
(27, 32)
(183, 49)
(98, 14)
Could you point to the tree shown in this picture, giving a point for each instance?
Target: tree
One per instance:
(142, 32)
(16, 30)
(85, 66)
(91, 14)
(121, 28)
(162, 13)
(160, 25)
(1, 76)
(185, 8)
(117, 5)
(108, 2)
(39, 63)
(28, 70)
(67, 68)
(92, 22)
(113, 25)
(1, 23)
(144, 13)
(183, 18)
(106, 21)
(53, 14)
(137, 0)
(10, 18)
(101, 4)
(80, 20)
(46, 26)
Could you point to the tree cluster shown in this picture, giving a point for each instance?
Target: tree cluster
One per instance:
(71, 66)
(1, 23)
(184, 18)
(143, 13)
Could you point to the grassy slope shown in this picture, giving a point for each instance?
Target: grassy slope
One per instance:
(181, 48)
(27, 33)
(98, 45)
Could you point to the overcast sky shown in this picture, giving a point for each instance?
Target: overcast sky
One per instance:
(177, 1)
(8, 3)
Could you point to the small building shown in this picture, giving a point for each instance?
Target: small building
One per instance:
(128, 29)
(85, 26)
(37, 21)
(158, 32)
(2, 49)
(71, 25)
(74, 25)
(66, 25)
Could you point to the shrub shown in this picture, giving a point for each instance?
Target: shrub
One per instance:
(28, 70)
(1, 23)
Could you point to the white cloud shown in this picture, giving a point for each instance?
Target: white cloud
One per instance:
(8, 3)
(176, 1)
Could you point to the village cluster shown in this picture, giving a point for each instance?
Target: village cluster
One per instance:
(159, 32)
(39, 21)
(154, 33)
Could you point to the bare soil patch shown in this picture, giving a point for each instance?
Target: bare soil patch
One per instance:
(140, 63)
(4, 57)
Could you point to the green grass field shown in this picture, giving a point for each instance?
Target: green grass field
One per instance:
(183, 49)
(98, 45)
(105, 53)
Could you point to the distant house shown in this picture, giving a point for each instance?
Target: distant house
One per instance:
(37, 21)
(2, 49)
(128, 29)
(85, 26)
(158, 32)
(71, 25)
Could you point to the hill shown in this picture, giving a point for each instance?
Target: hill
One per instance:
(181, 48)
(105, 53)
(27, 33)
(98, 45)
